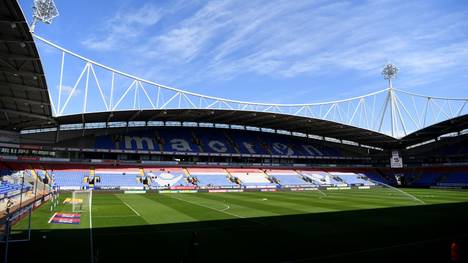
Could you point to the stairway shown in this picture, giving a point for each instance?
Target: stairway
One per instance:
(49, 178)
(34, 173)
(197, 141)
(231, 142)
(231, 178)
(160, 141)
(92, 175)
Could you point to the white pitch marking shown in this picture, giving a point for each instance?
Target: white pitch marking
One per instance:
(134, 211)
(227, 208)
(52, 217)
(91, 241)
(209, 207)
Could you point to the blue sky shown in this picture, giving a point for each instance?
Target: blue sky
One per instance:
(271, 51)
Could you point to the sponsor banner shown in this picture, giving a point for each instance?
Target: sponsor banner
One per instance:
(37, 203)
(65, 218)
(267, 190)
(28, 158)
(338, 188)
(67, 215)
(225, 190)
(131, 187)
(9, 145)
(108, 187)
(70, 188)
(183, 187)
(299, 165)
(19, 213)
(88, 150)
(258, 187)
(303, 189)
(177, 191)
(396, 162)
(7, 157)
(296, 186)
(59, 148)
(160, 162)
(135, 192)
(34, 147)
(47, 159)
(363, 187)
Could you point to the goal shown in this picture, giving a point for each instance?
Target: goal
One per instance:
(81, 201)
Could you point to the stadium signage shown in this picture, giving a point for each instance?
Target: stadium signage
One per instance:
(396, 161)
(225, 190)
(65, 218)
(177, 191)
(37, 203)
(17, 214)
(183, 187)
(135, 192)
(339, 188)
(108, 187)
(131, 188)
(303, 189)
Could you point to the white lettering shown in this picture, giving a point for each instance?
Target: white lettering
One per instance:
(217, 146)
(139, 142)
(180, 145)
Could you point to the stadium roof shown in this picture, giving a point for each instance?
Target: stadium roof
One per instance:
(246, 118)
(274, 121)
(24, 100)
(436, 130)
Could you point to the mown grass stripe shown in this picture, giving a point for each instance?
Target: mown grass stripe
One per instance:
(196, 213)
(206, 206)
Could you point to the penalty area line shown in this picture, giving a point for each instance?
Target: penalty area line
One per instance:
(50, 220)
(131, 208)
(209, 207)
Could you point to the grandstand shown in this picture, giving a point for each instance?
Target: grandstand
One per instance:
(175, 181)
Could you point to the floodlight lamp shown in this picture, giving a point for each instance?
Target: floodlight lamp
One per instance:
(390, 71)
(44, 11)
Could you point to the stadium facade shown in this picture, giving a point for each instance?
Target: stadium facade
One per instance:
(202, 136)
(173, 145)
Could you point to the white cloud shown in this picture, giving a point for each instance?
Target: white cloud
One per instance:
(67, 90)
(220, 40)
(123, 27)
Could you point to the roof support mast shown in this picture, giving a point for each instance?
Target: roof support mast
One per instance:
(389, 72)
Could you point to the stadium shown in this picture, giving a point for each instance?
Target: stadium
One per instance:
(134, 171)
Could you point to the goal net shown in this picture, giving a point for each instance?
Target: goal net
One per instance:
(81, 201)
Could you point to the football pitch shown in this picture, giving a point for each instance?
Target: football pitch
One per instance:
(373, 225)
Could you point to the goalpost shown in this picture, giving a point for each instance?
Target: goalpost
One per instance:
(82, 200)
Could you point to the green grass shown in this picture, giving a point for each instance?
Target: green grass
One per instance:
(371, 224)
